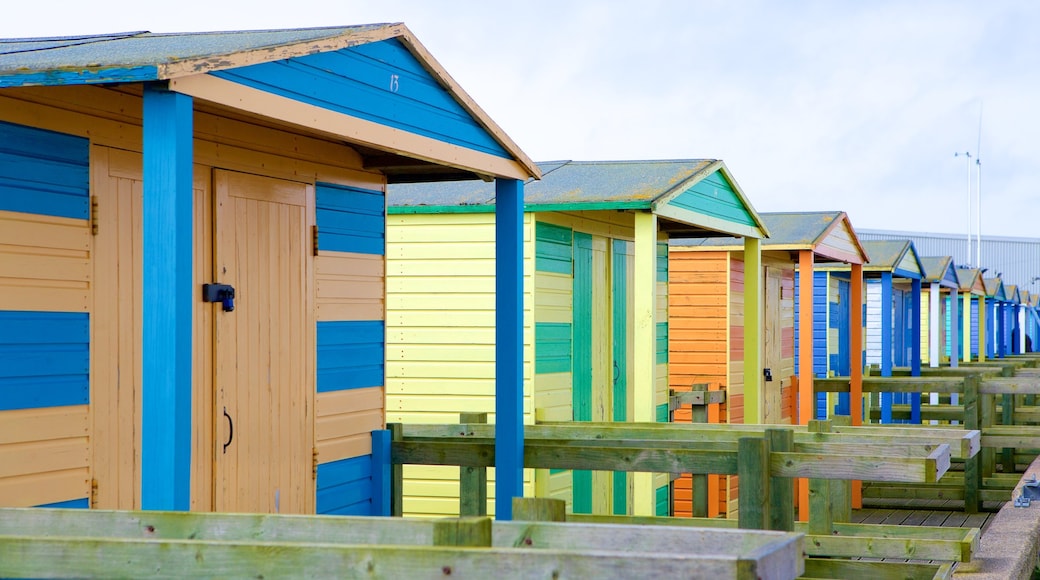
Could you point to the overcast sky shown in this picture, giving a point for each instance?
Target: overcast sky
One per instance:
(830, 105)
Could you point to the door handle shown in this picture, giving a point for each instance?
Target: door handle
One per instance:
(231, 430)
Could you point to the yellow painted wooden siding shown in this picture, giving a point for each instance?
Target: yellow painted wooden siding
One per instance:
(926, 309)
(44, 263)
(349, 286)
(440, 336)
(553, 300)
(44, 455)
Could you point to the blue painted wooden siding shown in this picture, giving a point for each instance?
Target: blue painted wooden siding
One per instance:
(43, 172)
(350, 354)
(553, 342)
(81, 503)
(350, 219)
(44, 359)
(552, 248)
(345, 487)
(380, 82)
(820, 306)
(714, 196)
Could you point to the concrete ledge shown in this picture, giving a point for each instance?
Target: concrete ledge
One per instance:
(1010, 546)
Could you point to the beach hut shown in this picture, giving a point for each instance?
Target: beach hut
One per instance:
(192, 259)
(595, 308)
(973, 294)
(711, 334)
(939, 291)
(893, 318)
(996, 334)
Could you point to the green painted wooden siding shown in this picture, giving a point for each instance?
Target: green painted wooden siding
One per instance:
(552, 248)
(662, 343)
(661, 501)
(714, 196)
(662, 262)
(662, 413)
(552, 347)
(581, 389)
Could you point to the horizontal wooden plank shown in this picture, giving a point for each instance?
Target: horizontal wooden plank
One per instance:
(893, 385)
(44, 424)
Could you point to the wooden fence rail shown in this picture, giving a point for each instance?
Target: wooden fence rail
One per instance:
(99, 543)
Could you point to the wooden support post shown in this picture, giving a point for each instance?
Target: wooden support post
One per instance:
(539, 509)
(781, 491)
(841, 489)
(972, 473)
(1007, 411)
(644, 337)
(382, 465)
(472, 480)
(509, 344)
(396, 472)
(856, 363)
(805, 359)
(821, 521)
(468, 532)
(753, 473)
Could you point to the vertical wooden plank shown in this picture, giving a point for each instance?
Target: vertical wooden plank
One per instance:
(983, 338)
(805, 360)
(915, 347)
(381, 469)
(887, 330)
(781, 489)
(167, 300)
(474, 532)
(539, 509)
(972, 465)
(472, 480)
(644, 338)
(955, 316)
(753, 473)
(856, 346)
(754, 399)
(841, 489)
(203, 445)
(509, 345)
(396, 473)
(821, 521)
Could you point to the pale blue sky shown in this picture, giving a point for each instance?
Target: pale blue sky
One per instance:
(828, 105)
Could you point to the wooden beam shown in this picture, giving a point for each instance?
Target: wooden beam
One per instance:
(754, 337)
(644, 337)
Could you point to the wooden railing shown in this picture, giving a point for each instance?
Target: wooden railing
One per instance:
(37, 543)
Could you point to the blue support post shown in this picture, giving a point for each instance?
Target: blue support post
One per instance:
(886, 342)
(915, 347)
(509, 345)
(1002, 339)
(991, 327)
(166, 301)
(381, 472)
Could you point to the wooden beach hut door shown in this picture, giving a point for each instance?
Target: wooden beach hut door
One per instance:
(772, 356)
(593, 369)
(264, 348)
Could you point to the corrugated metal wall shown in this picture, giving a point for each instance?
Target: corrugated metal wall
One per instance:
(1018, 259)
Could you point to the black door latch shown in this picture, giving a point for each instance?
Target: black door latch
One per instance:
(223, 293)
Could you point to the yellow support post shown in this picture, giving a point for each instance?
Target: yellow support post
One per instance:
(983, 339)
(644, 339)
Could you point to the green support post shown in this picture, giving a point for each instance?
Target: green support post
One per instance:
(781, 492)
(469, 532)
(396, 472)
(821, 520)
(753, 473)
(972, 473)
(472, 480)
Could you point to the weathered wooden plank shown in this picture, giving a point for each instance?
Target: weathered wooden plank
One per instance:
(469, 531)
(539, 509)
(1012, 385)
(826, 568)
(119, 557)
(892, 385)
(877, 468)
(781, 496)
(472, 480)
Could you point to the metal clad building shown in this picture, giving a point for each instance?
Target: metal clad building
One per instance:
(1017, 260)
